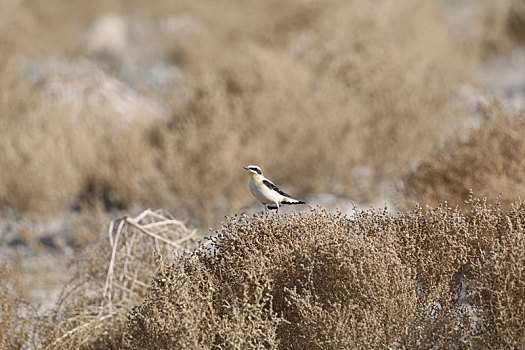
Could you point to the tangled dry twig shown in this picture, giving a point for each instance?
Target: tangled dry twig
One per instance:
(115, 274)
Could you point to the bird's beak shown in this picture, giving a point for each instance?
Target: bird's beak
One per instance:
(245, 167)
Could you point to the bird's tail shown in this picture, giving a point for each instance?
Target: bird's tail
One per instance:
(292, 201)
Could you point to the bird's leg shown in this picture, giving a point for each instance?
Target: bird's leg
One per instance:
(277, 206)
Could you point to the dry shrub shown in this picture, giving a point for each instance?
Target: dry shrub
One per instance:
(113, 276)
(341, 96)
(18, 319)
(53, 158)
(516, 21)
(504, 25)
(430, 278)
(341, 91)
(489, 162)
(189, 308)
(495, 27)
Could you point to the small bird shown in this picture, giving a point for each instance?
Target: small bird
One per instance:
(266, 192)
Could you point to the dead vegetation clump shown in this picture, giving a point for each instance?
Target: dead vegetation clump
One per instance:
(516, 21)
(19, 327)
(491, 28)
(489, 162)
(54, 159)
(431, 278)
(113, 275)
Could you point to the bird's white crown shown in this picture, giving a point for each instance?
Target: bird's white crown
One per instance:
(254, 169)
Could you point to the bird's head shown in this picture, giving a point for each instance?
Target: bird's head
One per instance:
(253, 169)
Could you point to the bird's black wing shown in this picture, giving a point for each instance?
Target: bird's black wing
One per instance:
(271, 186)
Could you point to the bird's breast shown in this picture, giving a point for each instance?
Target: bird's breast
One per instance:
(260, 191)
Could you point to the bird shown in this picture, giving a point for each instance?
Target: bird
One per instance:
(266, 192)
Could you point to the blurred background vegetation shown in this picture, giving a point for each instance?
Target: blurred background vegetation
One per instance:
(113, 106)
(123, 103)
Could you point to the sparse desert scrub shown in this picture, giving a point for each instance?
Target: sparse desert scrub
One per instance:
(445, 277)
(53, 158)
(330, 102)
(111, 276)
(431, 277)
(19, 326)
(344, 96)
(338, 92)
(490, 162)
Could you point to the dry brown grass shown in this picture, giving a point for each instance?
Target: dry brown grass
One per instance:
(113, 276)
(489, 162)
(19, 325)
